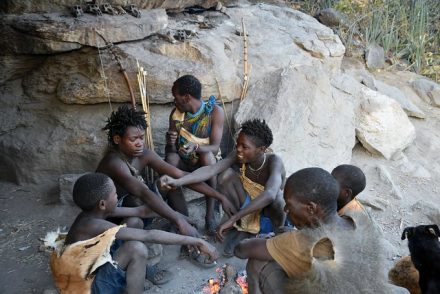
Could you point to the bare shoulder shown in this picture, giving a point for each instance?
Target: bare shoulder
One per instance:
(276, 165)
(274, 159)
(86, 227)
(218, 111)
(109, 162)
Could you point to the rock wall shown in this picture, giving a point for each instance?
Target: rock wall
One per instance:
(61, 78)
(48, 6)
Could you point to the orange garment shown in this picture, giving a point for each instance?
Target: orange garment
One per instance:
(294, 251)
(73, 266)
(354, 205)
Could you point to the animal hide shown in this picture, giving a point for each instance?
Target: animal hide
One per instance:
(73, 265)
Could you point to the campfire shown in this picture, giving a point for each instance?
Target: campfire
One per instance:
(228, 282)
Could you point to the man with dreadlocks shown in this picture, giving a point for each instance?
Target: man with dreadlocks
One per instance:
(193, 139)
(127, 156)
(255, 190)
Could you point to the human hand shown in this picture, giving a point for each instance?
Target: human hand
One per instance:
(171, 137)
(188, 148)
(167, 182)
(221, 229)
(228, 207)
(208, 250)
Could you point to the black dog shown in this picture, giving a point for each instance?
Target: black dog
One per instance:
(424, 246)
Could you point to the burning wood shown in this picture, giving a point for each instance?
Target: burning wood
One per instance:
(229, 282)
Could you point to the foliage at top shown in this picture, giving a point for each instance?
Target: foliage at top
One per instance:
(408, 30)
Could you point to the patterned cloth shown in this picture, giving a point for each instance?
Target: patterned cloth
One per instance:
(251, 222)
(194, 128)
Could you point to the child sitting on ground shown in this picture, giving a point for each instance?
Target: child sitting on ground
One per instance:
(89, 263)
(351, 181)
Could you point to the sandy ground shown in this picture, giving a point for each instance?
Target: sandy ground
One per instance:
(400, 192)
(26, 216)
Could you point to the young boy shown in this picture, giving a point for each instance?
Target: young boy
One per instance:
(89, 261)
(255, 190)
(325, 255)
(351, 181)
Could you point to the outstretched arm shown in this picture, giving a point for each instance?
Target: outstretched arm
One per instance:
(199, 175)
(162, 237)
(253, 248)
(141, 211)
(162, 167)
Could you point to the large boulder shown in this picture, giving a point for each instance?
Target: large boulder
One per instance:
(299, 105)
(382, 126)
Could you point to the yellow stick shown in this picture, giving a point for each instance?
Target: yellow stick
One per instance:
(245, 63)
(142, 81)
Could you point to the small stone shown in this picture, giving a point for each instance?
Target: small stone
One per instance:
(200, 18)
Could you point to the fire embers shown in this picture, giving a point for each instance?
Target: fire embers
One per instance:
(229, 282)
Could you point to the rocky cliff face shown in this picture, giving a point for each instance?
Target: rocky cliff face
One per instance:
(61, 79)
(60, 73)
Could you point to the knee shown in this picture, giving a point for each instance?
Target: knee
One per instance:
(172, 158)
(277, 206)
(137, 249)
(225, 177)
(134, 222)
(206, 158)
(254, 266)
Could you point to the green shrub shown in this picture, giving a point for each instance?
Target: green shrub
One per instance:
(406, 29)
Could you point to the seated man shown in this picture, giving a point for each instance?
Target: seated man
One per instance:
(193, 139)
(328, 254)
(89, 262)
(255, 190)
(127, 156)
(351, 181)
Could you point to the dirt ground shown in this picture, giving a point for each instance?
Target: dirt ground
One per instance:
(27, 215)
(400, 192)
